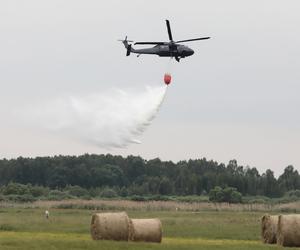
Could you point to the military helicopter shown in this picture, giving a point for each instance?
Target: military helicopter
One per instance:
(164, 49)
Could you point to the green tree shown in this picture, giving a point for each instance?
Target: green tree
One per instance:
(166, 187)
(228, 194)
(289, 180)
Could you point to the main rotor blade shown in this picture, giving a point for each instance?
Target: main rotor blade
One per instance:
(122, 40)
(157, 43)
(190, 40)
(169, 30)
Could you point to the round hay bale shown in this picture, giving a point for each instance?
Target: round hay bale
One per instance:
(288, 234)
(269, 228)
(149, 230)
(110, 226)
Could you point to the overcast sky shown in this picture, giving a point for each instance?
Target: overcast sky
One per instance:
(237, 97)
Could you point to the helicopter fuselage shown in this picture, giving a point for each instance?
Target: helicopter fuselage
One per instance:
(180, 51)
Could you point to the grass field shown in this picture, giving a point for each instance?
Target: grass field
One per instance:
(69, 229)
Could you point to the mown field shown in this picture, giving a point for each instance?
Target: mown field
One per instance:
(27, 229)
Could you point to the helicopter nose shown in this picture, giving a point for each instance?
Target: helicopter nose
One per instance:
(189, 52)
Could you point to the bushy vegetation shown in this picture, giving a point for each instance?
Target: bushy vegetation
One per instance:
(16, 192)
(227, 194)
(110, 176)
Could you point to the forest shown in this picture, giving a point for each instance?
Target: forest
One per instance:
(134, 175)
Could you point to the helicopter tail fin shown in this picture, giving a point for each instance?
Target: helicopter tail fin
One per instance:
(126, 42)
(128, 49)
(127, 46)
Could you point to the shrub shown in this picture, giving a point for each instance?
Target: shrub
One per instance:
(123, 192)
(94, 192)
(38, 191)
(191, 198)
(215, 194)
(137, 198)
(2, 197)
(108, 193)
(77, 191)
(228, 194)
(293, 193)
(136, 190)
(20, 198)
(6, 227)
(236, 197)
(15, 189)
(59, 195)
(158, 197)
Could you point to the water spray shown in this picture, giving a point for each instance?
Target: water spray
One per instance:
(111, 119)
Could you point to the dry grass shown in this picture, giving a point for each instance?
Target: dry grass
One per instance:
(27, 229)
(155, 206)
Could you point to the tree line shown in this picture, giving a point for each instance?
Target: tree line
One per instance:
(134, 175)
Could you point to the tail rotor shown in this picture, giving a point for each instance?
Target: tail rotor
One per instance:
(127, 45)
(128, 50)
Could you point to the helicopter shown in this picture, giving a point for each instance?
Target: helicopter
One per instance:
(163, 49)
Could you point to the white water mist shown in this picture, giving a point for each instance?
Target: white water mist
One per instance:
(114, 118)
